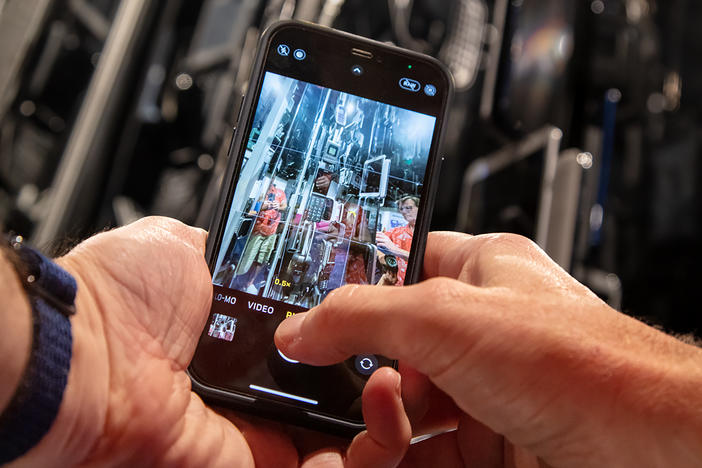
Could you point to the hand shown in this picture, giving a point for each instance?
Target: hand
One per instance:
(384, 243)
(333, 229)
(322, 182)
(144, 294)
(388, 246)
(512, 349)
(388, 279)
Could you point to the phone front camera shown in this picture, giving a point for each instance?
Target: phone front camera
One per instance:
(357, 70)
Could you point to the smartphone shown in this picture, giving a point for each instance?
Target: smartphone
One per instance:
(337, 142)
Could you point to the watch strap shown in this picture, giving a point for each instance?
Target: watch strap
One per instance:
(34, 406)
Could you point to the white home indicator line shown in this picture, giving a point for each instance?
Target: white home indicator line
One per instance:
(283, 394)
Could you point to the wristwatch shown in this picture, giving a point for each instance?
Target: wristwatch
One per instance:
(51, 292)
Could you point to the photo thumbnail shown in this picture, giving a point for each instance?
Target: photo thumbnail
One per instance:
(222, 327)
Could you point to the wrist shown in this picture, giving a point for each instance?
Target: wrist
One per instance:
(82, 412)
(653, 398)
(676, 402)
(16, 321)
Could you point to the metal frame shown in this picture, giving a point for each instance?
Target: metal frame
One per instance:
(567, 189)
(28, 16)
(467, 29)
(499, 18)
(548, 138)
(86, 145)
(384, 173)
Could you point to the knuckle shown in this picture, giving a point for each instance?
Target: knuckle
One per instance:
(439, 290)
(331, 325)
(162, 223)
(321, 316)
(449, 237)
(523, 243)
(326, 312)
(344, 295)
(515, 241)
(506, 243)
(171, 232)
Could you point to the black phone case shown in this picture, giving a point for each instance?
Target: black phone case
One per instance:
(266, 408)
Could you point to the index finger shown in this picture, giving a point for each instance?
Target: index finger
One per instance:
(393, 322)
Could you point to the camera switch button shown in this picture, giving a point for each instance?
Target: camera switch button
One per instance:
(366, 364)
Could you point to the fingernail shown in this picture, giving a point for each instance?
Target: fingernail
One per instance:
(290, 331)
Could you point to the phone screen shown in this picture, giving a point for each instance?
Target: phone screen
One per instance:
(329, 188)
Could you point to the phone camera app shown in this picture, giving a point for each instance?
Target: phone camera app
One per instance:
(331, 198)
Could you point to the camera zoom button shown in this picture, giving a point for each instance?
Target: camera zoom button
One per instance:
(366, 364)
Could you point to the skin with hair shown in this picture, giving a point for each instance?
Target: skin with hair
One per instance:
(527, 364)
(144, 294)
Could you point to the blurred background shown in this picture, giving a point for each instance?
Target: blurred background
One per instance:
(575, 122)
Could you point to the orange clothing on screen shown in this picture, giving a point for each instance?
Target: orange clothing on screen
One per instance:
(402, 237)
(267, 221)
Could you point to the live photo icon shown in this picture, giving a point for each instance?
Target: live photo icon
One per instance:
(222, 327)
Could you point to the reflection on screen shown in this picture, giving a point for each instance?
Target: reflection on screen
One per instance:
(327, 194)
